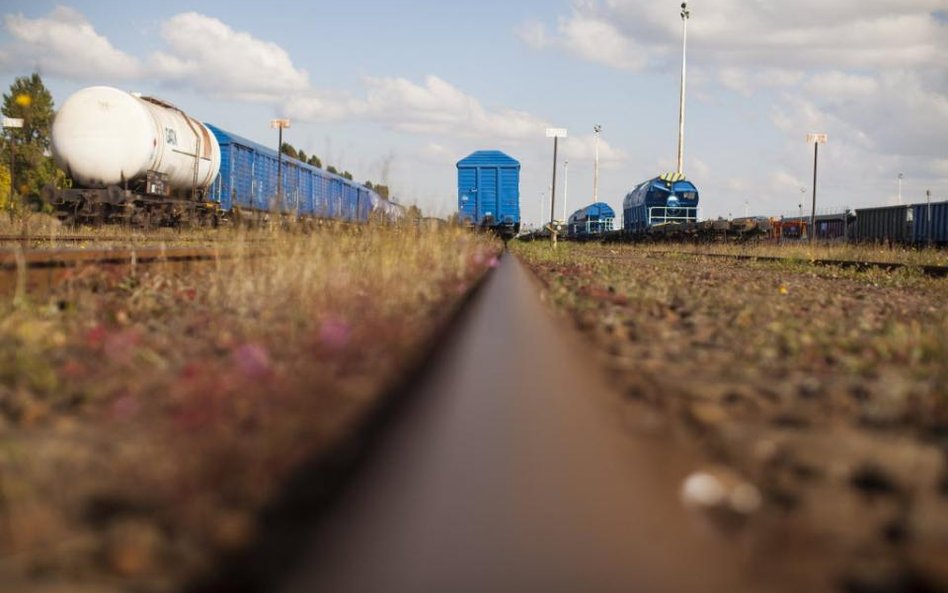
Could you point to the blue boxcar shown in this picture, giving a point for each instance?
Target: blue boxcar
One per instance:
(489, 191)
(669, 199)
(891, 224)
(936, 231)
(594, 219)
(248, 180)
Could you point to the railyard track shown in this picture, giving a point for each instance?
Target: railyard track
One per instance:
(933, 271)
(38, 271)
(504, 467)
(47, 239)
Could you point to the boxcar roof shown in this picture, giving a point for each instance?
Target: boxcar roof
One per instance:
(489, 158)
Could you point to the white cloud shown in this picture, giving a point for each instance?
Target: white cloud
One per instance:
(836, 85)
(584, 148)
(842, 34)
(65, 44)
(438, 107)
(599, 41)
(208, 55)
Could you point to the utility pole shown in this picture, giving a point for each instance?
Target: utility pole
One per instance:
(565, 187)
(279, 124)
(556, 134)
(597, 129)
(816, 140)
(900, 189)
(685, 15)
(928, 217)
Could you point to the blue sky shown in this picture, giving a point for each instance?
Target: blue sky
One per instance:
(398, 91)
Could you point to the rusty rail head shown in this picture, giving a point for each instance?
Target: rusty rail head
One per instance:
(64, 258)
(933, 271)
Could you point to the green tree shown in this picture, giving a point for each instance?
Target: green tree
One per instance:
(289, 150)
(301, 156)
(347, 175)
(31, 101)
(382, 190)
(332, 170)
(4, 187)
(314, 161)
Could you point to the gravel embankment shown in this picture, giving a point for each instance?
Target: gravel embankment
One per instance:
(819, 396)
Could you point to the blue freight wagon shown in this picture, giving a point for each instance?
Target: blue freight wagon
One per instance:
(593, 220)
(669, 201)
(885, 224)
(489, 192)
(248, 181)
(930, 229)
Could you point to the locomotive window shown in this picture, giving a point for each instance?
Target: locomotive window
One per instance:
(171, 137)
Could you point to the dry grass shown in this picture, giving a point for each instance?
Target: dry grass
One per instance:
(144, 419)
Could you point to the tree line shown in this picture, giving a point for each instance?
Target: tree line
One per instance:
(26, 163)
(292, 152)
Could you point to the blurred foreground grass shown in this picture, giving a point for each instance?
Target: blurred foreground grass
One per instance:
(146, 418)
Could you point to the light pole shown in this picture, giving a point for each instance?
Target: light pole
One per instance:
(928, 216)
(565, 187)
(279, 124)
(685, 15)
(900, 189)
(555, 134)
(597, 129)
(11, 123)
(816, 140)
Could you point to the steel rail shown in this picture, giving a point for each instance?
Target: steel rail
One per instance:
(47, 238)
(67, 258)
(505, 467)
(39, 272)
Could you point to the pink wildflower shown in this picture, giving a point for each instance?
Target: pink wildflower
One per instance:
(119, 347)
(125, 407)
(253, 361)
(335, 334)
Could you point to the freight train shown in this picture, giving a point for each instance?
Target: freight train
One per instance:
(141, 160)
(915, 224)
(489, 192)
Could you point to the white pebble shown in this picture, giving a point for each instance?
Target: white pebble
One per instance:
(702, 489)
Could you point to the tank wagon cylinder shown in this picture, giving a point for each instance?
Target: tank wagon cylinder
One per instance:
(103, 136)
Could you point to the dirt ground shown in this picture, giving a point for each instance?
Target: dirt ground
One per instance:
(818, 396)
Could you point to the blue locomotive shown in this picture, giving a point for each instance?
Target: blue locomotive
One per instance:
(592, 221)
(489, 192)
(665, 202)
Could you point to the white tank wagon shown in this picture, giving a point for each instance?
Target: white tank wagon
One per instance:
(132, 157)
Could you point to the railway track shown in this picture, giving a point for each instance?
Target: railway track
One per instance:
(928, 270)
(503, 468)
(50, 239)
(37, 272)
